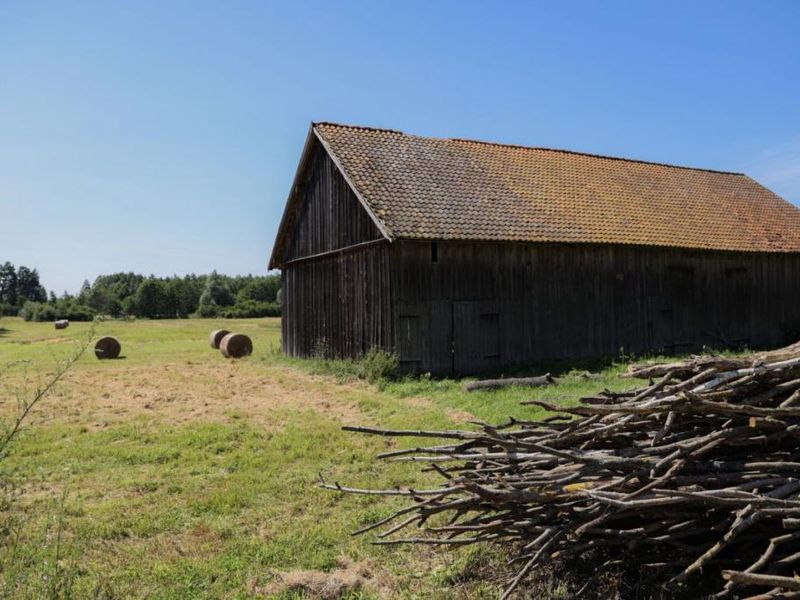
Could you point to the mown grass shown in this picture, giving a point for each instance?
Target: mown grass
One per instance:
(150, 506)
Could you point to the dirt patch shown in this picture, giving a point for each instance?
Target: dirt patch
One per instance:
(348, 578)
(211, 389)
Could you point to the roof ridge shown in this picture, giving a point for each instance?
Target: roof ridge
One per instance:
(595, 155)
(363, 127)
(538, 148)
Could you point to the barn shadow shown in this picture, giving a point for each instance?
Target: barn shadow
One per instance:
(558, 368)
(555, 368)
(561, 367)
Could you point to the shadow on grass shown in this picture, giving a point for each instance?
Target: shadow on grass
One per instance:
(358, 368)
(560, 367)
(554, 367)
(4, 331)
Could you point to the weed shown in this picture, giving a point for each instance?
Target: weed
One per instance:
(376, 366)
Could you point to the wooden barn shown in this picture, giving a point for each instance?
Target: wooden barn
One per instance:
(465, 256)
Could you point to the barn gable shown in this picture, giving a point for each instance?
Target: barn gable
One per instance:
(323, 213)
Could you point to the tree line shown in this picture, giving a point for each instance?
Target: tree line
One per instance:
(122, 295)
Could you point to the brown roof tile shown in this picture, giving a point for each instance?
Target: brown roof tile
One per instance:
(421, 187)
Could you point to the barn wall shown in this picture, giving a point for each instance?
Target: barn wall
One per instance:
(336, 297)
(339, 304)
(328, 214)
(482, 305)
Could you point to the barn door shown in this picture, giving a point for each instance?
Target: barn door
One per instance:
(423, 336)
(476, 336)
(410, 336)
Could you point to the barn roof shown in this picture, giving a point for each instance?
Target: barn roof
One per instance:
(455, 189)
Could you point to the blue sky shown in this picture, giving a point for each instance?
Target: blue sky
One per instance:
(162, 137)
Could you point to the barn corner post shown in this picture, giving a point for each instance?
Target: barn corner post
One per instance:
(430, 248)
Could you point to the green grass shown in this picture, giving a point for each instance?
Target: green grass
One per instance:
(187, 476)
(144, 342)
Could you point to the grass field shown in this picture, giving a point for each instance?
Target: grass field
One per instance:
(174, 473)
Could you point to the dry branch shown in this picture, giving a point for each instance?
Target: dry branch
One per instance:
(496, 384)
(694, 478)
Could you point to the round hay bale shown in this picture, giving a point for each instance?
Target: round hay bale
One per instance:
(216, 337)
(62, 324)
(236, 345)
(107, 347)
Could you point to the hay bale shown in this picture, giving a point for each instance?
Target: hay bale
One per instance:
(236, 345)
(62, 324)
(107, 347)
(216, 337)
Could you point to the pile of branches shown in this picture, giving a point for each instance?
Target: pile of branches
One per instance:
(693, 479)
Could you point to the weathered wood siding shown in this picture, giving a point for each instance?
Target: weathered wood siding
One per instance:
(452, 307)
(483, 305)
(339, 304)
(328, 215)
(334, 302)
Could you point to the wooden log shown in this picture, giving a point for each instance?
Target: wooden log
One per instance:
(787, 583)
(216, 336)
(696, 364)
(107, 347)
(236, 345)
(62, 324)
(496, 384)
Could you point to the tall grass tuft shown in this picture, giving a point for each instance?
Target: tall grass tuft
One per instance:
(54, 573)
(375, 366)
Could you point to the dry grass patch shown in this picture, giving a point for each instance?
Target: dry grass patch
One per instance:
(348, 578)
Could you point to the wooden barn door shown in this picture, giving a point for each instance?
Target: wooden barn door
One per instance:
(410, 326)
(476, 336)
(423, 336)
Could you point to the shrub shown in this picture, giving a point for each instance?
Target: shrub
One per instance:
(375, 366)
(207, 310)
(29, 310)
(250, 309)
(7, 310)
(37, 311)
(46, 313)
(378, 365)
(76, 312)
